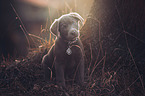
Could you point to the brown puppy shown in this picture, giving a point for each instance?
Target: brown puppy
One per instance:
(67, 54)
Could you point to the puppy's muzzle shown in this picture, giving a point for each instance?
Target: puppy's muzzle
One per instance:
(74, 32)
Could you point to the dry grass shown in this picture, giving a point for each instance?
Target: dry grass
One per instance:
(25, 77)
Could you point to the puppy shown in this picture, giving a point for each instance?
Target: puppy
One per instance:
(66, 56)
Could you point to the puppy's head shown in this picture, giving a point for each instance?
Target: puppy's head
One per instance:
(67, 26)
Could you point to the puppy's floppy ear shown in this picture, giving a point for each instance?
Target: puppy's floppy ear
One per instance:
(77, 16)
(54, 28)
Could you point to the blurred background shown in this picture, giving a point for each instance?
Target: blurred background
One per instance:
(23, 23)
(38, 14)
(113, 37)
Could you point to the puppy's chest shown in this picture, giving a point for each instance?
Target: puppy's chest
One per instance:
(67, 53)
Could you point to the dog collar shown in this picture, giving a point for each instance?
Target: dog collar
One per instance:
(71, 42)
(69, 51)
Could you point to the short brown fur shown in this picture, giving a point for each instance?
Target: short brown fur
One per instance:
(65, 65)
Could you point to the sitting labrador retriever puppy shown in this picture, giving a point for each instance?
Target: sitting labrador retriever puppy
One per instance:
(66, 56)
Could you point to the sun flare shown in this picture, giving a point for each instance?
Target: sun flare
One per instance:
(81, 6)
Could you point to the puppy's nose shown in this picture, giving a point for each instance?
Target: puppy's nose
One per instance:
(74, 33)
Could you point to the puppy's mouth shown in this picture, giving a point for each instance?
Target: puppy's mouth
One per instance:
(74, 38)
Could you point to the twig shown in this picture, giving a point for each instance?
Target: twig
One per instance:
(24, 31)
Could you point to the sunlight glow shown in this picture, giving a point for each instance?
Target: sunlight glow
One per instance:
(80, 6)
(41, 3)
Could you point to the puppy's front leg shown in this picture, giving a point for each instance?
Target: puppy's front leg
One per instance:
(47, 62)
(59, 68)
